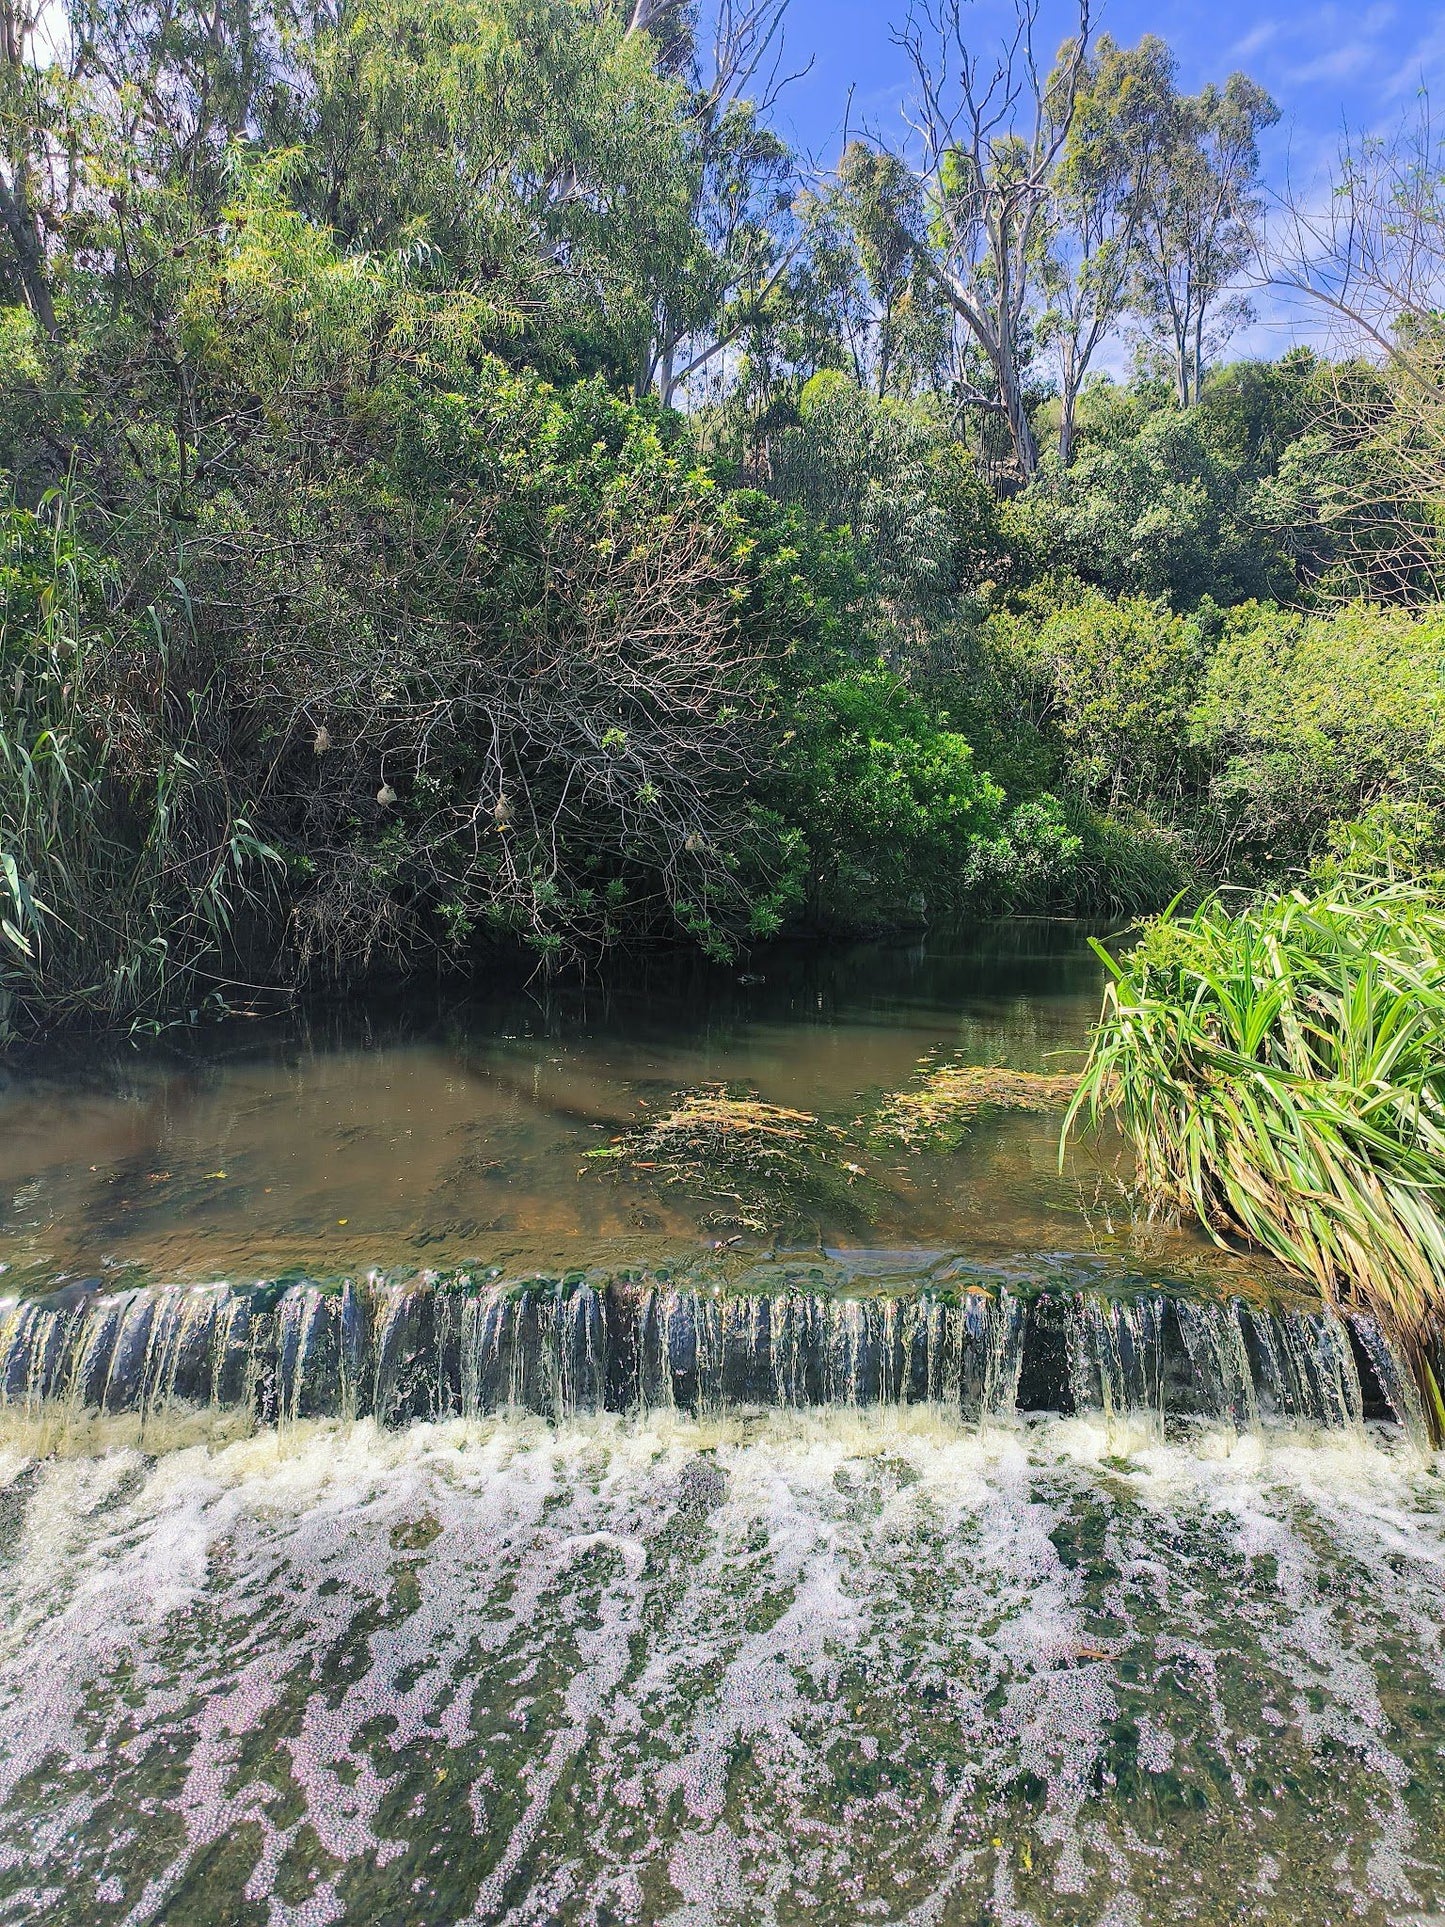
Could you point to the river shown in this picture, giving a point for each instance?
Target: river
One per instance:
(407, 1516)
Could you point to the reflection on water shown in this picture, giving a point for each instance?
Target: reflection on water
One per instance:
(437, 1133)
(836, 1668)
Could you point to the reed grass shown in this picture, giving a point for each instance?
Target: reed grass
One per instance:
(124, 860)
(1281, 1072)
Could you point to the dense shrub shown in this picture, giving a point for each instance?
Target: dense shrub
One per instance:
(479, 665)
(1128, 865)
(1112, 685)
(1148, 508)
(541, 683)
(1305, 721)
(896, 477)
(888, 798)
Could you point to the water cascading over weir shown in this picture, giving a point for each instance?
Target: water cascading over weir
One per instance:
(436, 1347)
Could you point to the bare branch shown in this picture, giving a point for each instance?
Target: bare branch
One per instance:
(990, 134)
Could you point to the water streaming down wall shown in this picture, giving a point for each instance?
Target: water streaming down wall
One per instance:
(419, 1349)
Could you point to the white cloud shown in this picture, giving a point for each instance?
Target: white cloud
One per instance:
(1341, 63)
(1255, 39)
(1424, 62)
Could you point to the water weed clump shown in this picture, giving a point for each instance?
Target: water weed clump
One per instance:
(1281, 1071)
(765, 1166)
(938, 1114)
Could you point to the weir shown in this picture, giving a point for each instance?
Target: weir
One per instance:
(430, 1348)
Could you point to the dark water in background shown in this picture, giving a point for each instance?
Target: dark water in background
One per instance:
(431, 1133)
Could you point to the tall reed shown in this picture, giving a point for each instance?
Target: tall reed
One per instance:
(124, 862)
(1281, 1072)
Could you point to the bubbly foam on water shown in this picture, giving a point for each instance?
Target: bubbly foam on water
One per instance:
(838, 1665)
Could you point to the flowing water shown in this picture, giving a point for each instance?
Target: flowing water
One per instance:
(836, 1666)
(964, 1552)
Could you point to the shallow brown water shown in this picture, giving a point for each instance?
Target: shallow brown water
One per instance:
(431, 1133)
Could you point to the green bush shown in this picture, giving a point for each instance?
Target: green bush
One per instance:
(1112, 684)
(1306, 721)
(887, 798)
(893, 474)
(1030, 863)
(1148, 508)
(546, 652)
(1390, 842)
(1128, 866)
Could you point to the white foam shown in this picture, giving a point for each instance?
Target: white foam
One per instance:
(867, 1664)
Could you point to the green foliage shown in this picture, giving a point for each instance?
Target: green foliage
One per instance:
(888, 798)
(1029, 862)
(1242, 736)
(1148, 508)
(1251, 413)
(892, 474)
(1113, 684)
(507, 124)
(1129, 865)
(524, 614)
(1305, 721)
(1282, 1074)
(1200, 223)
(1389, 842)
(129, 872)
(863, 301)
(349, 340)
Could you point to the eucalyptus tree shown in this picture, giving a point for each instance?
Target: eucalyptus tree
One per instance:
(174, 83)
(1199, 225)
(728, 58)
(990, 133)
(35, 189)
(1121, 125)
(865, 277)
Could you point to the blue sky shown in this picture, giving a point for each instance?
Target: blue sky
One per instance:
(1326, 66)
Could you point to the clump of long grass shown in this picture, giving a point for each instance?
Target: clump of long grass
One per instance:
(1281, 1072)
(124, 859)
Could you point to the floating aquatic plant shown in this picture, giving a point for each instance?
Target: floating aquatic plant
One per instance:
(766, 1165)
(949, 1097)
(1281, 1071)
